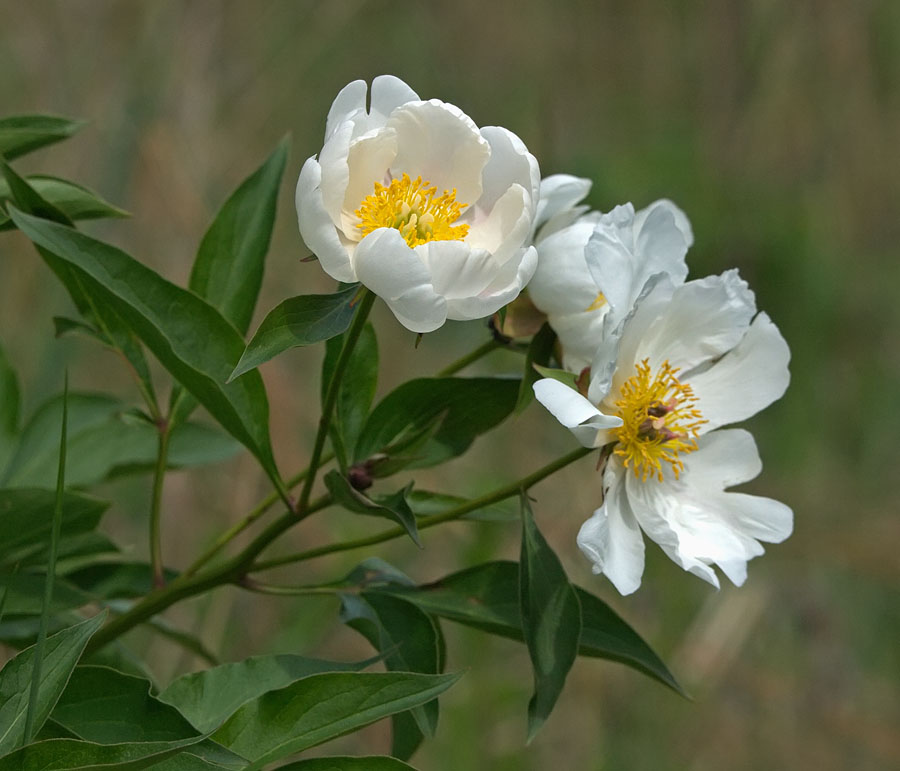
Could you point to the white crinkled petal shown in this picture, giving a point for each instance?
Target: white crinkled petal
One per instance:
(386, 265)
(612, 268)
(704, 319)
(388, 93)
(611, 538)
(510, 163)
(368, 161)
(660, 245)
(348, 105)
(747, 379)
(589, 426)
(316, 227)
(681, 220)
(441, 143)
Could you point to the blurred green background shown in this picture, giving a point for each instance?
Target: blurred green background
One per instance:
(775, 125)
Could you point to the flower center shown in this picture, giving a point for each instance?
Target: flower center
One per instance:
(414, 208)
(660, 420)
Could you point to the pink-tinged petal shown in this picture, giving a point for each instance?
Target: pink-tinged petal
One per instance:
(369, 158)
(349, 104)
(510, 163)
(611, 538)
(747, 379)
(438, 142)
(704, 319)
(388, 93)
(316, 226)
(386, 265)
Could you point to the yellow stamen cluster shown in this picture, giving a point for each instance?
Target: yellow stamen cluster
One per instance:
(414, 208)
(599, 302)
(660, 420)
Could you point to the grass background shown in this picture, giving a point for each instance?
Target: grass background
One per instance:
(773, 124)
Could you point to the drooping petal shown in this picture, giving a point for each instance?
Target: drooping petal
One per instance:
(704, 319)
(611, 538)
(747, 379)
(347, 105)
(509, 163)
(441, 143)
(589, 426)
(386, 265)
(388, 93)
(316, 226)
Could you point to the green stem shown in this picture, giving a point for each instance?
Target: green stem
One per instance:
(162, 458)
(331, 395)
(447, 516)
(252, 585)
(469, 358)
(230, 571)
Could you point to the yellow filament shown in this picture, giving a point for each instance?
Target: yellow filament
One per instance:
(660, 421)
(414, 208)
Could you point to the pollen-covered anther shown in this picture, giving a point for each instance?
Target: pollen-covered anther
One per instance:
(660, 420)
(413, 208)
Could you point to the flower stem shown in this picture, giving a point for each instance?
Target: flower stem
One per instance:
(162, 456)
(331, 395)
(457, 512)
(469, 358)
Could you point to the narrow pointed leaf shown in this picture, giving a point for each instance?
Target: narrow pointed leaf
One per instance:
(228, 270)
(322, 707)
(296, 322)
(20, 134)
(9, 409)
(551, 619)
(76, 755)
(74, 201)
(209, 697)
(61, 653)
(188, 336)
(393, 507)
(486, 597)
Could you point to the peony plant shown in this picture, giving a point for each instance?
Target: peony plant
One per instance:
(408, 202)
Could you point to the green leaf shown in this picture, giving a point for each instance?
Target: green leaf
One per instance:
(551, 619)
(539, 352)
(228, 270)
(393, 507)
(9, 408)
(463, 407)
(357, 387)
(405, 634)
(116, 580)
(486, 597)
(302, 320)
(207, 698)
(112, 329)
(370, 763)
(74, 755)
(322, 707)
(562, 375)
(20, 134)
(425, 503)
(105, 706)
(26, 517)
(188, 336)
(61, 653)
(25, 594)
(74, 201)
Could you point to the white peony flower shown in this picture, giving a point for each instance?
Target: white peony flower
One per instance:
(592, 266)
(689, 359)
(426, 210)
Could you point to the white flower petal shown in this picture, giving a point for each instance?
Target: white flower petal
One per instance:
(388, 93)
(347, 105)
(457, 269)
(560, 193)
(335, 171)
(439, 142)
(660, 244)
(368, 161)
(681, 220)
(704, 319)
(510, 163)
(612, 268)
(722, 459)
(316, 226)
(589, 426)
(562, 283)
(611, 538)
(747, 379)
(504, 230)
(507, 283)
(386, 265)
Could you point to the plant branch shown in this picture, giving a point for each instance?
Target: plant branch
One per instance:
(331, 395)
(507, 491)
(470, 358)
